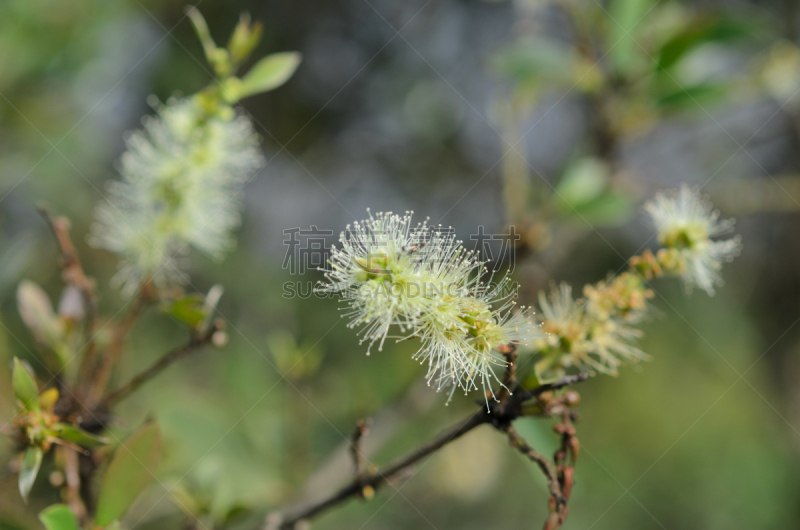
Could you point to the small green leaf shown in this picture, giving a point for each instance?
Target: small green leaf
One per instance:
(25, 388)
(269, 73)
(699, 31)
(31, 461)
(625, 16)
(201, 29)
(37, 313)
(244, 38)
(78, 436)
(58, 517)
(533, 59)
(582, 182)
(129, 472)
(48, 398)
(608, 209)
(189, 309)
(691, 96)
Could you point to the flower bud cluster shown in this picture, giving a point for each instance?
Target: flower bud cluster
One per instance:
(598, 333)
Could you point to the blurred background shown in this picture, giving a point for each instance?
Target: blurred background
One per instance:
(558, 118)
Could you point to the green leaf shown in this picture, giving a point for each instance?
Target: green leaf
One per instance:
(608, 209)
(582, 182)
(129, 472)
(625, 15)
(269, 73)
(691, 96)
(58, 517)
(78, 436)
(201, 29)
(31, 461)
(189, 309)
(533, 59)
(25, 388)
(244, 38)
(700, 31)
(218, 58)
(37, 313)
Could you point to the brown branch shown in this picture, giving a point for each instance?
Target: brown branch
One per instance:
(510, 375)
(171, 357)
(558, 503)
(73, 274)
(102, 374)
(355, 447)
(72, 483)
(521, 395)
(501, 416)
(382, 476)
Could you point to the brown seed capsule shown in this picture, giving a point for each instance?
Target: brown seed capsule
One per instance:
(56, 479)
(575, 448)
(572, 398)
(569, 481)
(219, 339)
(545, 397)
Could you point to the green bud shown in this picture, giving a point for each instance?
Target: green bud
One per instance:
(244, 39)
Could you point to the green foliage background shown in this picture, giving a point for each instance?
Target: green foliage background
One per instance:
(705, 436)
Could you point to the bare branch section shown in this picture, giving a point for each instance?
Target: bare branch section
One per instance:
(500, 416)
(196, 343)
(359, 464)
(73, 274)
(558, 503)
(101, 375)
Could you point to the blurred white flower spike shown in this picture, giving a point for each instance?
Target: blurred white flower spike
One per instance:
(182, 171)
(180, 177)
(420, 280)
(686, 223)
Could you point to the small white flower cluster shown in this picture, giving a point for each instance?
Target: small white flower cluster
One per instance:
(590, 333)
(180, 177)
(686, 224)
(420, 280)
(597, 332)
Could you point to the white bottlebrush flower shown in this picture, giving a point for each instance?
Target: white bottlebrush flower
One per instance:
(583, 339)
(687, 222)
(180, 176)
(420, 280)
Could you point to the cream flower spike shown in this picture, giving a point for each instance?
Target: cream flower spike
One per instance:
(686, 224)
(180, 177)
(422, 282)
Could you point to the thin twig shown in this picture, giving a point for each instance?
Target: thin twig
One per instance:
(74, 274)
(510, 375)
(355, 448)
(501, 416)
(382, 476)
(72, 483)
(114, 350)
(195, 344)
(522, 395)
(557, 501)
